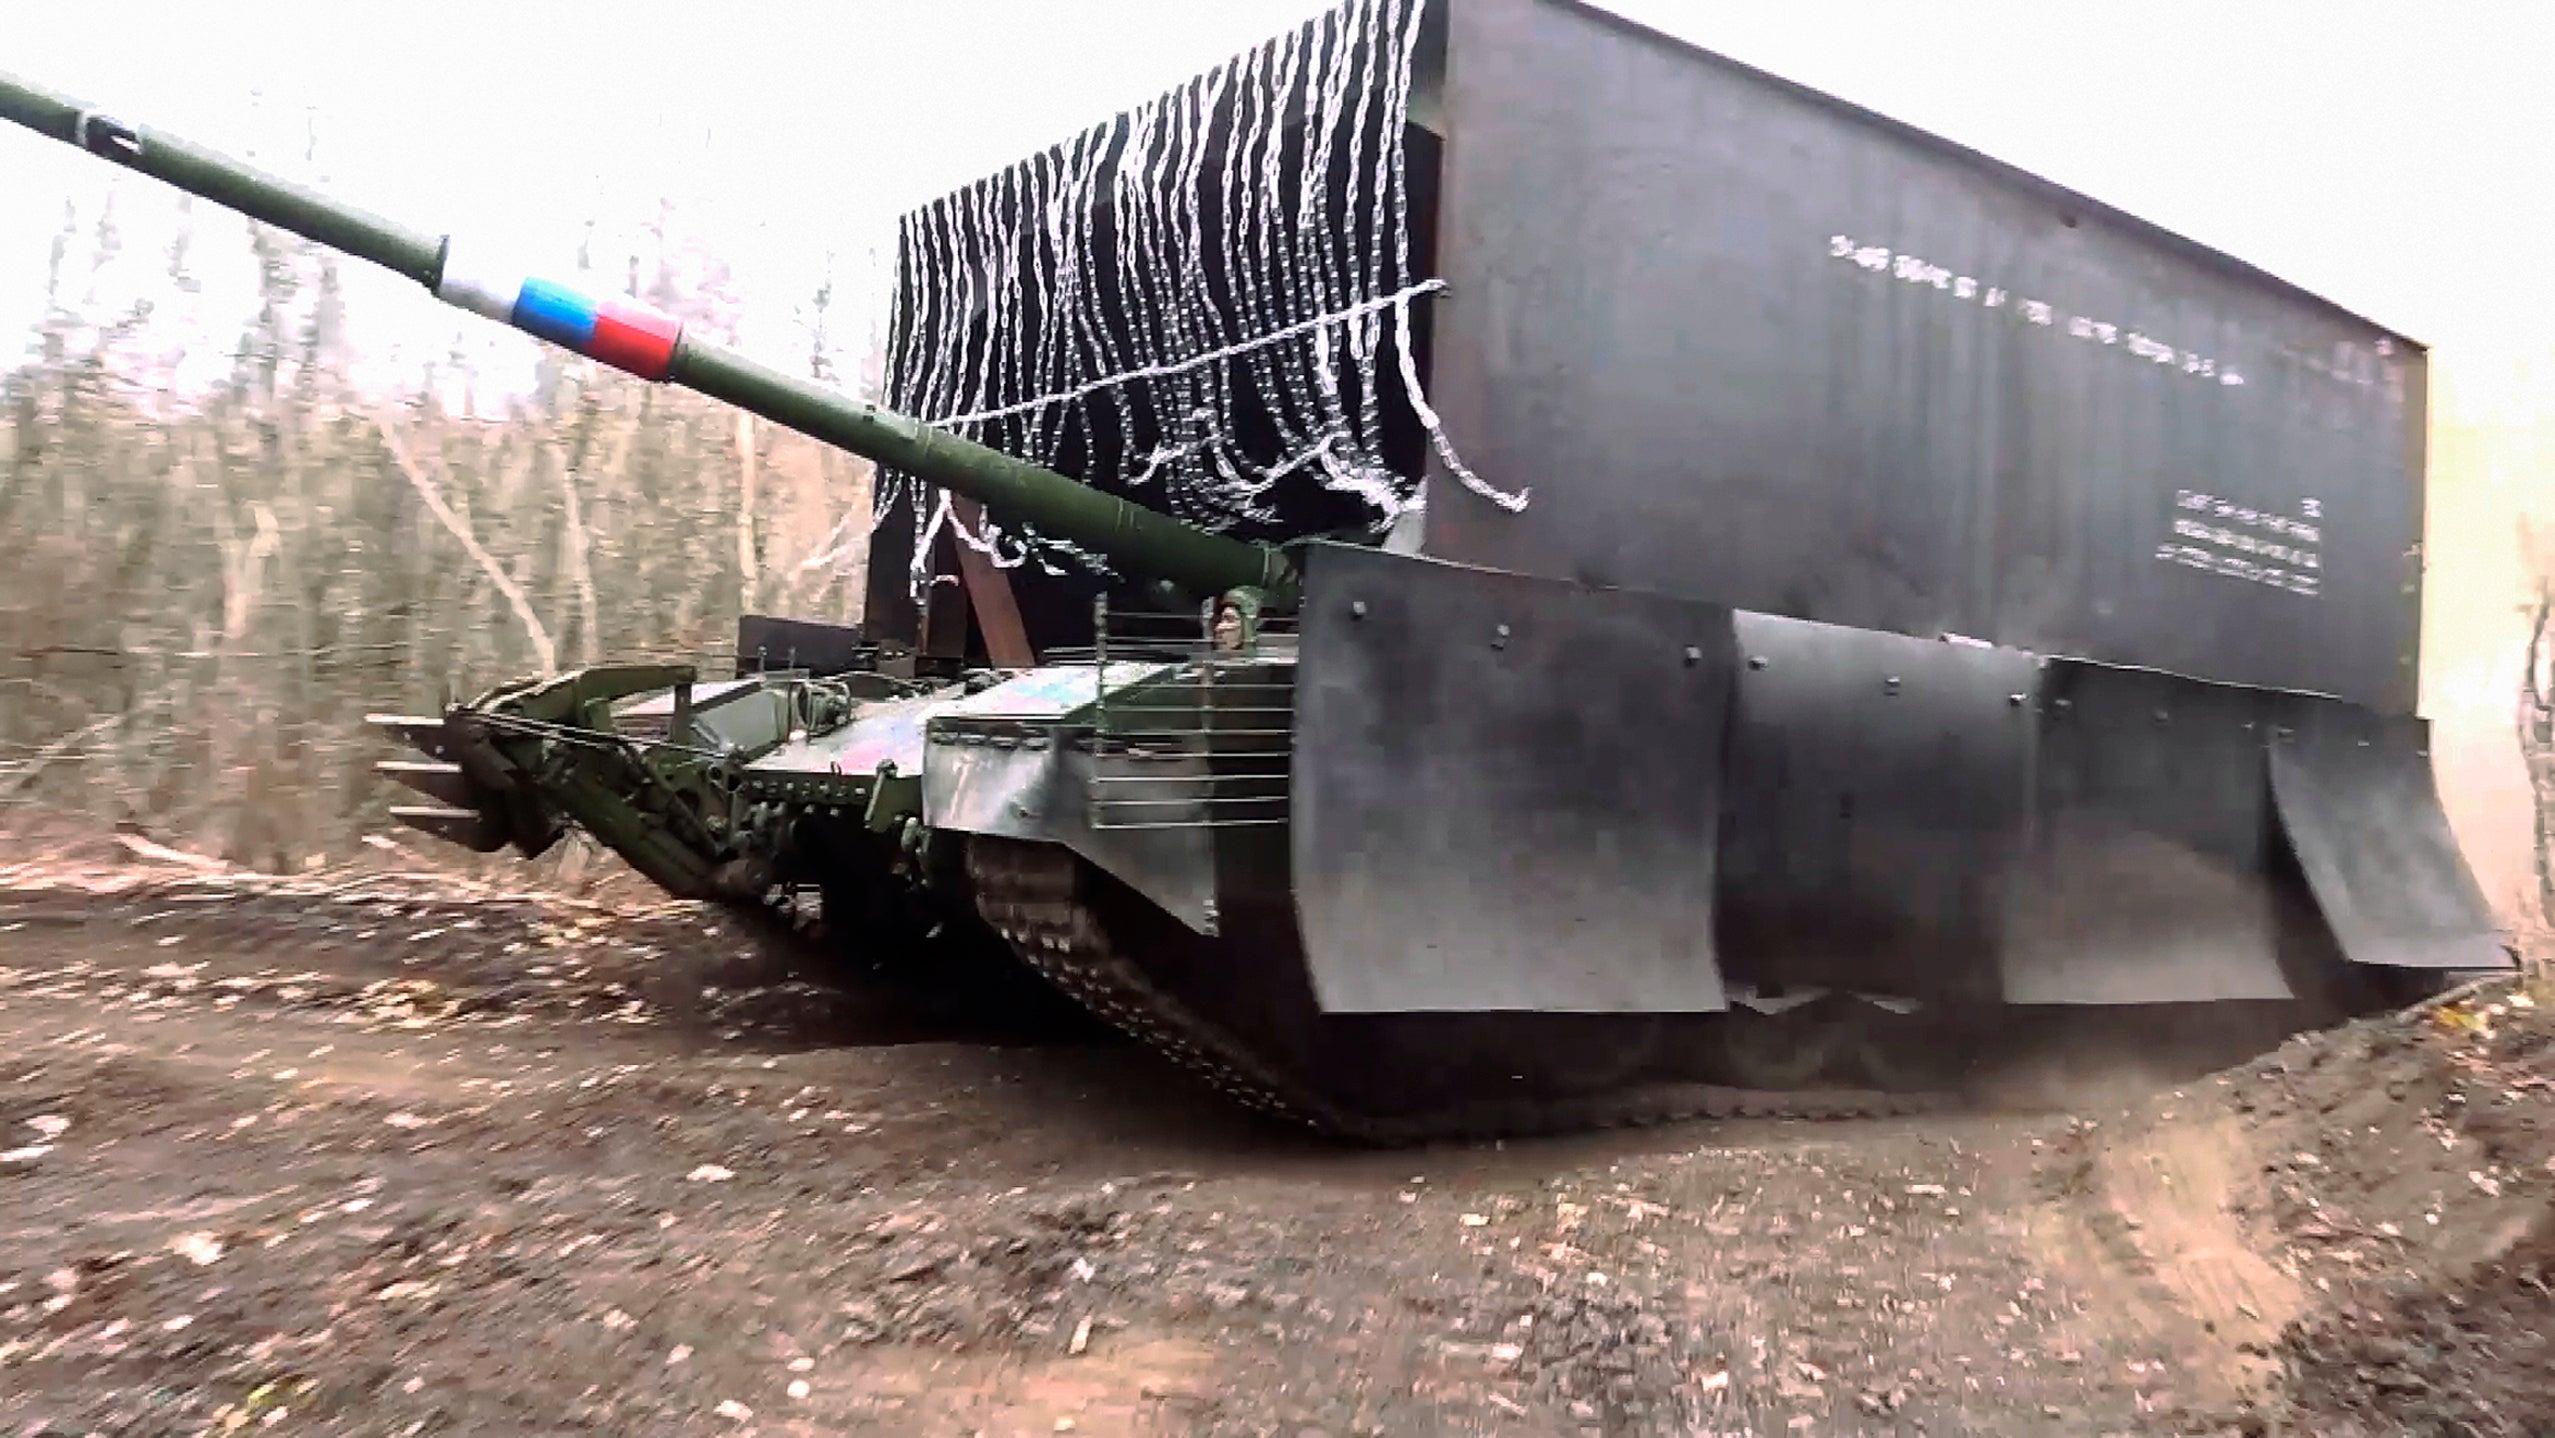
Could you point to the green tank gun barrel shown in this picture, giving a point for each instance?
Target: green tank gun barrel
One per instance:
(652, 345)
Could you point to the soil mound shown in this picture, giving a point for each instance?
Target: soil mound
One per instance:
(2409, 1177)
(2474, 1356)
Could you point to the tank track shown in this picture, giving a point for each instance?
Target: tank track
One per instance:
(1031, 894)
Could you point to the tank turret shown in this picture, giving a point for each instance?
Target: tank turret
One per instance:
(654, 346)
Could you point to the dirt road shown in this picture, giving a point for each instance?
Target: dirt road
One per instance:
(355, 1160)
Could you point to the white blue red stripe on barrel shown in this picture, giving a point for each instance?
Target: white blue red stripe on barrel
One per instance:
(621, 333)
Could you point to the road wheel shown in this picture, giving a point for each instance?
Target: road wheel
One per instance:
(1786, 1050)
(1916, 1052)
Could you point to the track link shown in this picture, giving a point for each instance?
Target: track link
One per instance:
(1032, 895)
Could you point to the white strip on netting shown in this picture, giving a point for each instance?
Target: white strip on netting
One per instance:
(1206, 304)
(1316, 326)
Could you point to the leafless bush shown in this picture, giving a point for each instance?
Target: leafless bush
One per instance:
(205, 592)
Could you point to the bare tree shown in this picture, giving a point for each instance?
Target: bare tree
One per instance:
(2537, 731)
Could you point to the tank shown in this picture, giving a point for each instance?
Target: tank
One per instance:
(1477, 569)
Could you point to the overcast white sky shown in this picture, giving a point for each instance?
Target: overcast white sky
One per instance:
(2390, 156)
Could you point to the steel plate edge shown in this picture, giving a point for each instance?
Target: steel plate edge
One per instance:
(2360, 808)
(1035, 787)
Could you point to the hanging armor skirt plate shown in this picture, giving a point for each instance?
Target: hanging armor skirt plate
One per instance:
(1518, 793)
(2359, 806)
(2146, 876)
(1505, 790)
(1876, 800)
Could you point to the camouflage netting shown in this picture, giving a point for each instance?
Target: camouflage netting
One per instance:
(1206, 304)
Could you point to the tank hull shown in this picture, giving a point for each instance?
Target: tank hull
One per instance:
(1734, 862)
(1723, 861)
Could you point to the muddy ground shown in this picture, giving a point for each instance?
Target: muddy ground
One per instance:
(390, 1153)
